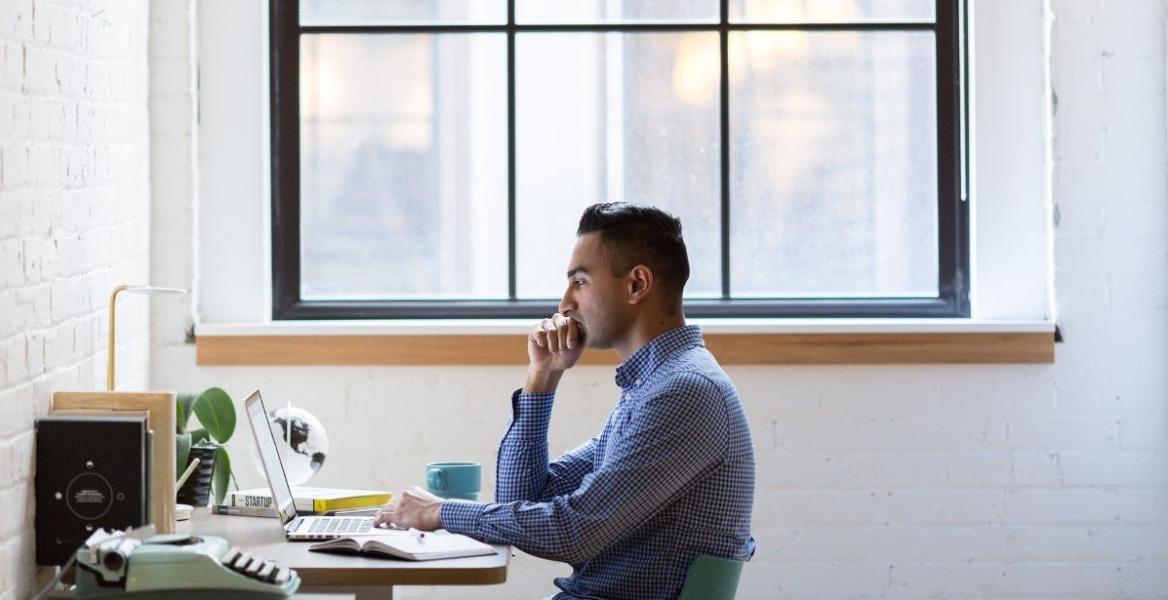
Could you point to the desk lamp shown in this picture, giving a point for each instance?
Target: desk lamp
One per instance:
(133, 289)
(158, 406)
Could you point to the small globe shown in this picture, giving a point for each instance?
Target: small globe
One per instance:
(301, 441)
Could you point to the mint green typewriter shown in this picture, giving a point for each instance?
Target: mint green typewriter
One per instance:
(179, 567)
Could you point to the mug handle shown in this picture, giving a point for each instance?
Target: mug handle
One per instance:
(436, 479)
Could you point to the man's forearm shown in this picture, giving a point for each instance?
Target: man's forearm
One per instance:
(522, 462)
(542, 382)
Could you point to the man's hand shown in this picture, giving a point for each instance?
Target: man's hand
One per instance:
(415, 508)
(554, 346)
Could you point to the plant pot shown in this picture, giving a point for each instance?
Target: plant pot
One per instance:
(197, 489)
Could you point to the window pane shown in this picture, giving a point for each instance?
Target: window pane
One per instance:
(615, 11)
(611, 117)
(403, 166)
(833, 164)
(831, 11)
(402, 12)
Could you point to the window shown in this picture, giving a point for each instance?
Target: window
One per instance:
(431, 159)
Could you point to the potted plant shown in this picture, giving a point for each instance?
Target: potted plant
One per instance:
(216, 414)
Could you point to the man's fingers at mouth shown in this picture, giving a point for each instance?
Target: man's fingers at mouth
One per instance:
(572, 336)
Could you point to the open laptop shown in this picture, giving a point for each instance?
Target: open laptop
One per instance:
(297, 527)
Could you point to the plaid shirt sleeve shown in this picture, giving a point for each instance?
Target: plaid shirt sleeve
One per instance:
(665, 445)
(522, 471)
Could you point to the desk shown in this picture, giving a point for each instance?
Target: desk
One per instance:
(368, 578)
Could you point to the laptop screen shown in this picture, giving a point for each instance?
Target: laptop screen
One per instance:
(273, 468)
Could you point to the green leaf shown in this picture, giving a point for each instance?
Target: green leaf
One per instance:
(182, 414)
(198, 436)
(182, 453)
(216, 413)
(221, 475)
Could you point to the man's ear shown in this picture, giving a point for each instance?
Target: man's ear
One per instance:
(639, 282)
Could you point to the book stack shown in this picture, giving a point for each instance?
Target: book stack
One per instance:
(312, 499)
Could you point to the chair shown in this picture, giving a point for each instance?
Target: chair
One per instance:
(711, 578)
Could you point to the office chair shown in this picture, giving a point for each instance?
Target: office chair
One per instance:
(711, 578)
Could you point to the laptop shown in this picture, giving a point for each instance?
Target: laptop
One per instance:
(297, 527)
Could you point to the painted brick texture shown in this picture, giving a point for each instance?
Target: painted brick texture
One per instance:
(74, 222)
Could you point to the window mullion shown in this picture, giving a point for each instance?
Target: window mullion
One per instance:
(724, 83)
(511, 220)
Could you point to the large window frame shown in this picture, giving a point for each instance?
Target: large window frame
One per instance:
(952, 209)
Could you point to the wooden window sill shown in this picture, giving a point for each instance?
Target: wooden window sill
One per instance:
(733, 342)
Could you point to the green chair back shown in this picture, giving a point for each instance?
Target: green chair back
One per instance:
(711, 578)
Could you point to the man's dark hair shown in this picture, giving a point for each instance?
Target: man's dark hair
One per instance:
(632, 235)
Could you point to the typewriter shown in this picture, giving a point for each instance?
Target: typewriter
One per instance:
(176, 566)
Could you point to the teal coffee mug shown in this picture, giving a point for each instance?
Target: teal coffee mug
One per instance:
(458, 480)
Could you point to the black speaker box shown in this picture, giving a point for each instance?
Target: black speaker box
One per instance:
(91, 472)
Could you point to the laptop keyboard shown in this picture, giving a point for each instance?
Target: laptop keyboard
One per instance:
(340, 525)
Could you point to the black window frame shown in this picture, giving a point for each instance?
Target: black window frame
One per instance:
(952, 210)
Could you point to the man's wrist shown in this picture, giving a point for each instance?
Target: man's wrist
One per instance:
(436, 515)
(542, 381)
(462, 516)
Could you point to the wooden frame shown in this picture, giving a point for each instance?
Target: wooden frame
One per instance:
(729, 348)
(160, 409)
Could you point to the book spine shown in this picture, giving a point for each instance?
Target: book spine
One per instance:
(251, 501)
(243, 511)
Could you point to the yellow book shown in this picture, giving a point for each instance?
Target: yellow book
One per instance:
(313, 499)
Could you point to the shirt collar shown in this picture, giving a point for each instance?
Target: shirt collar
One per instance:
(637, 367)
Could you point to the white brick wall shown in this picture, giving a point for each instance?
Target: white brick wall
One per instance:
(74, 222)
(1008, 481)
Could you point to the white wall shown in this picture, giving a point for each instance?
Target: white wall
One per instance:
(74, 223)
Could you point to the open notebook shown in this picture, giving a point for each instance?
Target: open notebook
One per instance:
(407, 545)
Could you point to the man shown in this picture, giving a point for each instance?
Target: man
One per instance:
(670, 477)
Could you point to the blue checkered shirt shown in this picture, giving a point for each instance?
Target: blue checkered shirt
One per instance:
(670, 477)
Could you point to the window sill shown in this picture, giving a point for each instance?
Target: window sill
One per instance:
(732, 341)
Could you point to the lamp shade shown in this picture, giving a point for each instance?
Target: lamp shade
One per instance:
(149, 290)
